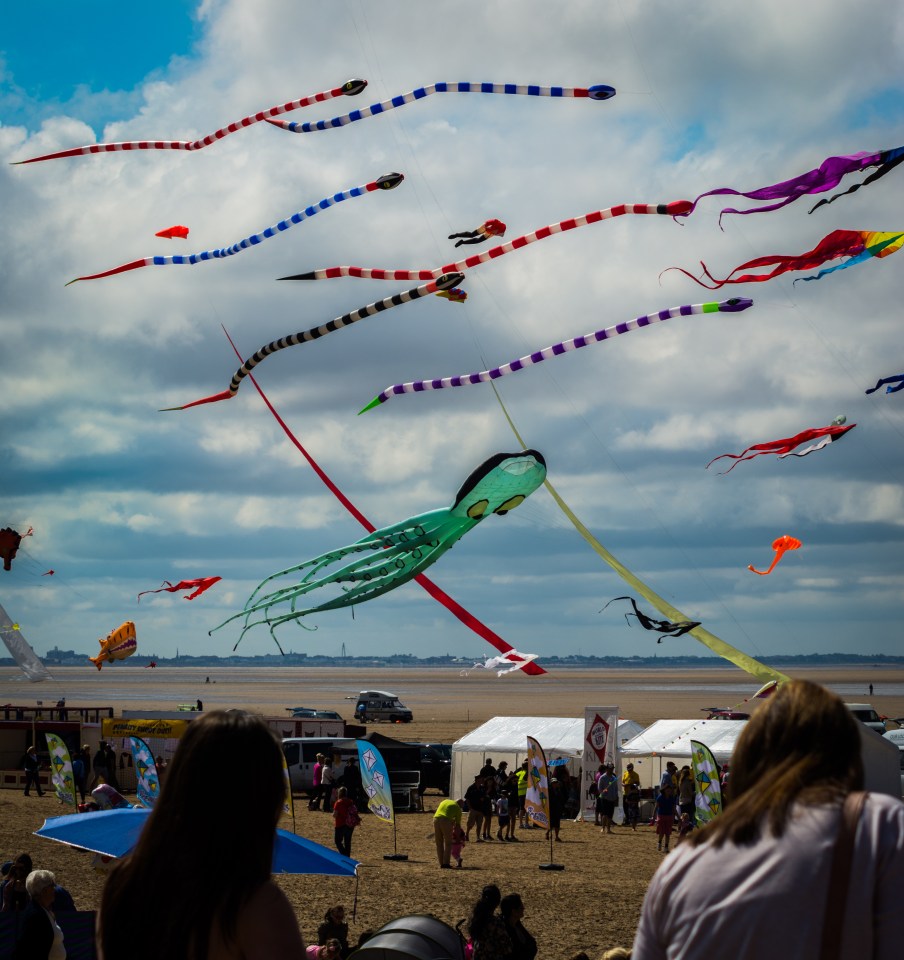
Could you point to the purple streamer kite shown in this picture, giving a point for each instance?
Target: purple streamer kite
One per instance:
(735, 305)
(673, 209)
(599, 91)
(387, 182)
(348, 89)
(827, 175)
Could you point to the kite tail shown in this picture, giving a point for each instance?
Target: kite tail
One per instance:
(695, 279)
(124, 268)
(214, 398)
(890, 158)
(763, 573)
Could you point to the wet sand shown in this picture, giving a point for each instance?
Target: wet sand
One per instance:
(591, 905)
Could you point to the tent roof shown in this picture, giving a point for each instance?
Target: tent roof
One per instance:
(672, 738)
(563, 736)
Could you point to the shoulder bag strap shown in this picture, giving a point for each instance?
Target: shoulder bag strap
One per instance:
(833, 923)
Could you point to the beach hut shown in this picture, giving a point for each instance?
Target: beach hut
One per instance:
(505, 738)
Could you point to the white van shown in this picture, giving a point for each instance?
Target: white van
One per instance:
(897, 738)
(866, 713)
(301, 755)
(379, 705)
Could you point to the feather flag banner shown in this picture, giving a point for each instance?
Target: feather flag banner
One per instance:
(536, 802)
(708, 793)
(61, 775)
(148, 788)
(375, 781)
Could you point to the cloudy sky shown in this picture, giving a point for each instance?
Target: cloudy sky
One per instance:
(122, 496)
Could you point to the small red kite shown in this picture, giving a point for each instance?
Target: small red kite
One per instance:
(197, 587)
(173, 233)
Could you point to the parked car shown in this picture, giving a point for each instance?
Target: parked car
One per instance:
(311, 713)
(897, 738)
(436, 767)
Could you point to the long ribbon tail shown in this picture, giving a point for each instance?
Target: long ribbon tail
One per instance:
(895, 157)
(672, 209)
(763, 573)
(556, 349)
(438, 594)
(349, 88)
(597, 92)
(888, 382)
(315, 333)
(386, 182)
(747, 663)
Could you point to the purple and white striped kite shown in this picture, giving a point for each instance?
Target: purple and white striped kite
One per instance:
(386, 182)
(673, 209)
(348, 89)
(305, 336)
(735, 305)
(599, 91)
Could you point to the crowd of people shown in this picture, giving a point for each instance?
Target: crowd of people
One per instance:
(797, 810)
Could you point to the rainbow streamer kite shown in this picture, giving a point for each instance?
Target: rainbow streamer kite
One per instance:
(672, 209)
(857, 245)
(735, 305)
(348, 89)
(306, 336)
(387, 182)
(599, 91)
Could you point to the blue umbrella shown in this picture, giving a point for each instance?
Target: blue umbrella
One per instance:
(114, 833)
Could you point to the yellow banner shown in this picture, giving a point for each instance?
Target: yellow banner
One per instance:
(164, 729)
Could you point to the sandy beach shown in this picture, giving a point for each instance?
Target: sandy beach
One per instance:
(593, 904)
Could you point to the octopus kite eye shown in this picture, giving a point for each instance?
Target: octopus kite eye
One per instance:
(351, 88)
(509, 504)
(600, 91)
(389, 180)
(478, 509)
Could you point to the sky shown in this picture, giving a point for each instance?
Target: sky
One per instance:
(122, 497)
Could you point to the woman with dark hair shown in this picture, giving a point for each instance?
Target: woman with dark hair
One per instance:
(756, 879)
(687, 788)
(203, 862)
(486, 930)
(524, 946)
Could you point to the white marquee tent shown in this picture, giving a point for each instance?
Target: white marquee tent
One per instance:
(671, 740)
(505, 738)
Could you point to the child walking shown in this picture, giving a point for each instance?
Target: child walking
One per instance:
(459, 839)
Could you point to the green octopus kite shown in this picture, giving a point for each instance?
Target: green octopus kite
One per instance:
(405, 549)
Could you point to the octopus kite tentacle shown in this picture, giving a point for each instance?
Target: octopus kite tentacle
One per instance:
(348, 89)
(858, 245)
(373, 273)
(887, 383)
(315, 333)
(597, 92)
(827, 175)
(735, 305)
(387, 182)
(399, 553)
